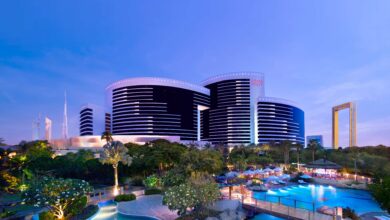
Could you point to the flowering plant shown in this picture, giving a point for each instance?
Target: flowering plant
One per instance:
(56, 194)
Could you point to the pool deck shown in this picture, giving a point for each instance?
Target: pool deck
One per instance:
(147, 206)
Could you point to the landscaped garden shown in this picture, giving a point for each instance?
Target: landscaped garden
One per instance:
(185, 179)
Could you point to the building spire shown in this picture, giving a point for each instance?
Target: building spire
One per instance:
(65, 123)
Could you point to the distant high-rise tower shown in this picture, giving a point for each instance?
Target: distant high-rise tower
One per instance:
(36, 127)
(65, 123)
(47, 128)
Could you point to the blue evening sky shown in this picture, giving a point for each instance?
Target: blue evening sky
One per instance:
(316, 53)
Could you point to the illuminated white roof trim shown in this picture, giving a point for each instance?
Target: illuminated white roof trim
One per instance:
(233, 75)
(279, 101)
(155, 81)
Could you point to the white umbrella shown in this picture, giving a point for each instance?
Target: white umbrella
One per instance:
(277, 169)
(305, 176)
(267, 170)
(259, 171)
(285, 176)
(272, 178)
(231, 174)
(248, 172)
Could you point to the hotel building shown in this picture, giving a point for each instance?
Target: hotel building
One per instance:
(229, 109)
(156, 106)
(278, 120)
(231, 118)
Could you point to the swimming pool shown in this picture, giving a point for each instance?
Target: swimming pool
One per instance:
(264, 216)
(315, 196)
(107, 211)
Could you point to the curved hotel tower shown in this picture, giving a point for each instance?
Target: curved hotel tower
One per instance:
(229, 109)
(232, 114)
(156, 106)
(278, 120)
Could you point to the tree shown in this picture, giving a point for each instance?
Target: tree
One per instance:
(298, 147)
(38, 149)
(285, 146)
(265, 148)
(165, 154)
(56, 194)
(195, 194)
(113, 153)
(8, 182)
(313, 146)
(381, 192)
(180, 198)
(195, 161)
(107, 136)
(356, 159)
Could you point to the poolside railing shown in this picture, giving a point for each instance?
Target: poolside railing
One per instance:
(298, 210)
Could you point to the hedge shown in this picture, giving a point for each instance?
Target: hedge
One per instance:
(152, 191)
(125, 197)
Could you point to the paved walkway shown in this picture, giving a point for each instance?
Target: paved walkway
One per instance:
(147, 206)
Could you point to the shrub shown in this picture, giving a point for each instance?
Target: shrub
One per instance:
(125, 197)
(46, 216)
(6, 214)
(77, 206)
(137, 181)
(173, 177)
(350, 213)
(152, 191)
(86, 213)
(152, 181)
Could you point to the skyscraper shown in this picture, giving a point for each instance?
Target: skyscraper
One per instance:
(47, 129)
(65, 123)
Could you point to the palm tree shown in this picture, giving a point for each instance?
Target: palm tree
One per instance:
(285, 147)
(356, 158)
(113, 153)
(265, 148)
(298, 148)
(313, 146)
(107, 136)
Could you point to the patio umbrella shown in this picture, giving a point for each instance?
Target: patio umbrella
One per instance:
(267, 170)
(248, 172)
(285, 176)
(272, 178)
(231, 174)
(277, 169)
(259, 171)
(304, 176)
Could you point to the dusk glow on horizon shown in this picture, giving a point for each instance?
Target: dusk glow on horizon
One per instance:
(317, 55)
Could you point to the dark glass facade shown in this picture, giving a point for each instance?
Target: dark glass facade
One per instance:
(156, 110)
(86, 121)
(228, 117)
(279, 121)
(107, 122)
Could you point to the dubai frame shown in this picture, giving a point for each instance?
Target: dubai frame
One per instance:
(352, 124)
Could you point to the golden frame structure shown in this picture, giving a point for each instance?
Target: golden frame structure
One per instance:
(352, 124)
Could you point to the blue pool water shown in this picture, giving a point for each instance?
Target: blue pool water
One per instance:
(263, 216)
(315, 196)
(107, 211)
